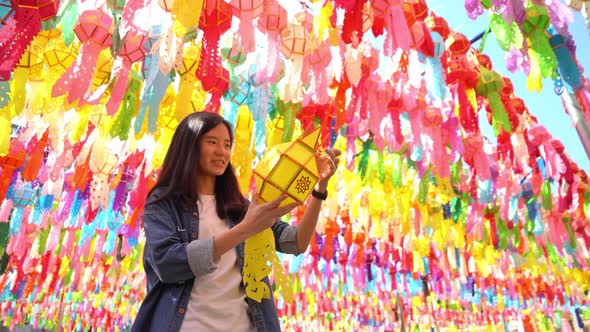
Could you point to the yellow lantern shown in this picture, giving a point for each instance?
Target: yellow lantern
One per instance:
(289, 168)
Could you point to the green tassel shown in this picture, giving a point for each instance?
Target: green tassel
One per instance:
(500, 118)
(4, 231)
(570, 232)
(43, 239)
(4, 262)
(364, 159)
(380, 168)
(502, 229)
(502, 31)
(68, 20)
(423, 188)
(396, 170)
(546, 196)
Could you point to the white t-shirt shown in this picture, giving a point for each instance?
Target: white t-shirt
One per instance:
(216, 302)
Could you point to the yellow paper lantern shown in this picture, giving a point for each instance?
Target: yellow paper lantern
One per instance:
(104, 66)
(289, 168)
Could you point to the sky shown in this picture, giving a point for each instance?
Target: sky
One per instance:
(546, 105)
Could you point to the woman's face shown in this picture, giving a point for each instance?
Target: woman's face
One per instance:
(215, 148)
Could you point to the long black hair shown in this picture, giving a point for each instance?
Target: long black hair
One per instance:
(178, 176)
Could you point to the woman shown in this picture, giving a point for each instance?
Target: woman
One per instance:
(196, 221)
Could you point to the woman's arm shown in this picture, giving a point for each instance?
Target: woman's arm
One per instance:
(327, 165)
(165, 251)
(306, 227)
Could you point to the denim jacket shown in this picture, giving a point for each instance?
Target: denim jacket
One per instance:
(174, 255)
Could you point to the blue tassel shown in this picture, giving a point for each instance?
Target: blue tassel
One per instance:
(541, 165)
(485, 193)
(436, 73)
(260, 135)
(159, 91)
(4, 91)
(16, 220)
(76, 205)
(109, 245)
(296, 263)
(568, 69)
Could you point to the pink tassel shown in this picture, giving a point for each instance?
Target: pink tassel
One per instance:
(5, 210)
(77, 80)
(53, 238)
(398, 34)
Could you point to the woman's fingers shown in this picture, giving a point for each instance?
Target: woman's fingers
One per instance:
(287, 208)
(275, 203)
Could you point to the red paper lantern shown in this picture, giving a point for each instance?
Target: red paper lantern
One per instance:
(458, 43)
(47, 8)
(439, 25)
(218, 17)
(484, 61)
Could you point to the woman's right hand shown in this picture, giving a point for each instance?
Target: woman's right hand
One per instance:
(262, 216)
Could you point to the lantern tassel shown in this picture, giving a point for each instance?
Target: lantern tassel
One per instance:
(500, 118)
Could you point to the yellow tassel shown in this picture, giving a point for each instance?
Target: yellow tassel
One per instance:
(187, 13)
(534, 81)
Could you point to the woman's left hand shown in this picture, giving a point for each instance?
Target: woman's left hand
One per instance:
(327, 164)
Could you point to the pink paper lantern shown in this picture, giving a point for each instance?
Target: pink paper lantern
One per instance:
(295, 41)
(274, 17)
(95, 26)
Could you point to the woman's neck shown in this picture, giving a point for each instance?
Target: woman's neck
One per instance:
(206, 185)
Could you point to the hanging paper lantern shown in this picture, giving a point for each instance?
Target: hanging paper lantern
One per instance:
(20, 31)
(24, 194)
(102, 164)
(242, 161)
(462, 78)
(248, 11)
(6, 12)
(213, 76)
(58, 55)
(288, 168)
(102, 73)
(94, 29)
(575, 4)
(47, 8)
(457, 43)
(30, 64)
(274, 17)
(166, 4)
(58, 58)
(436, 78)
(10, 163)
(438, 24)
(186, 68)
(568, 68)
(542, 57)
(489, 85)
(295, 41)
(484, 61)
(397, 34)
(272, 22)
(368, 16)
(132, 51)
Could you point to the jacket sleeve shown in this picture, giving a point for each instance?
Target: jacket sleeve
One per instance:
(285, 237)
(172, 259)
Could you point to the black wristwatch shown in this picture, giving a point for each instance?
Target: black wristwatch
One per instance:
(319, 195)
